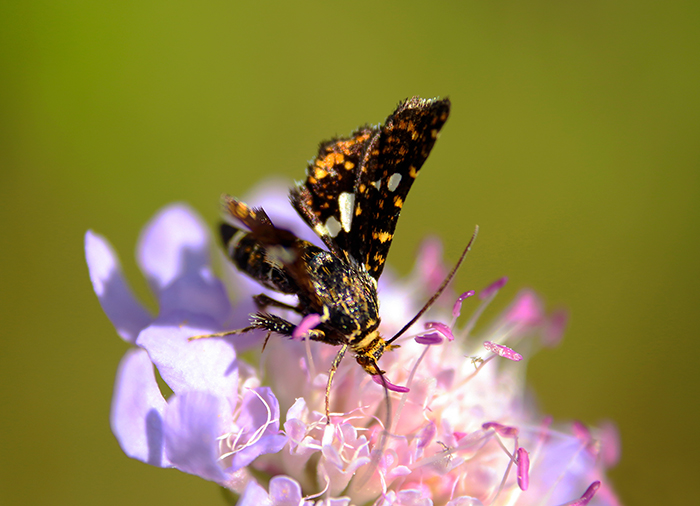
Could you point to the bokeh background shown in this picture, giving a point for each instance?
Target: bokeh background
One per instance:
(574, 143)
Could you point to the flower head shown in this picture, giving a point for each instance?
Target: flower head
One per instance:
(457, 429)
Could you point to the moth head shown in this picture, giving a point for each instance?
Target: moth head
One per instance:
(370, 351)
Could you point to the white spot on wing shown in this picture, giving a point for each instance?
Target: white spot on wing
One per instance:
(346, 204)
(321, 230)
(394, 181)
(376, 183)
(332, 226)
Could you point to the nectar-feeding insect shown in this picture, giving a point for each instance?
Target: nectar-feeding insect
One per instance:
(353, 194)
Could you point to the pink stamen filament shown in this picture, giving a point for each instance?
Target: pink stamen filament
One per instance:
(511, 456)
(487, 295)
(404, 397)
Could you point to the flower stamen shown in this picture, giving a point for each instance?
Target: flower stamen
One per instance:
(486, 296)
(587, 495)
(255, 437)
(404, 397)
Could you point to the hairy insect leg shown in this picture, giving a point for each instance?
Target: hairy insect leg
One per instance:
(224, 333)
(273, 323)
(261, 320)
(331, 373)
(263, 301)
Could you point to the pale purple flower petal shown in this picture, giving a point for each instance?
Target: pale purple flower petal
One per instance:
(343, 453)
(297, 430)
(174, 243)
(340, 501)
(285, 491)
(127, 315)
(406, 498)
(193, 423)
(465, 501)
(173, 253)
(207, 365)
(138, 409)
(254, 495)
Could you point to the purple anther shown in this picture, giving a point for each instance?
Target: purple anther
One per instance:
(382, 380)
(432, 338)
(501, 430)
(503, 351)
(587, 495)
(526, 310)
(610, 442)
(493, 288)
(457, 308)
(581, 431)
(554, 331)
(442, 329)
(523, 462)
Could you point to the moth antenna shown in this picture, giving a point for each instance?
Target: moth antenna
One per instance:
(439, 291)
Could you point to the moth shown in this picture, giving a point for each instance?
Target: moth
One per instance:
(353, 194)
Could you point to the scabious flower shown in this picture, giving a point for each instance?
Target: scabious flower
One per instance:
(461, 431)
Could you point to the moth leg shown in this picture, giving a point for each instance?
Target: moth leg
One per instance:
(224, 333)
(281, 326)
(262, 301)
(265, 321)
(331, 373)
(272, 323)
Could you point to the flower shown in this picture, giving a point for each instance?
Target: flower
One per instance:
(459, 428)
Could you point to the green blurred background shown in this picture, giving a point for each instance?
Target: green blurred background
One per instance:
(574, 143)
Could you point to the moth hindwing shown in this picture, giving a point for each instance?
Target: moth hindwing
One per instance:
(352, 197)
